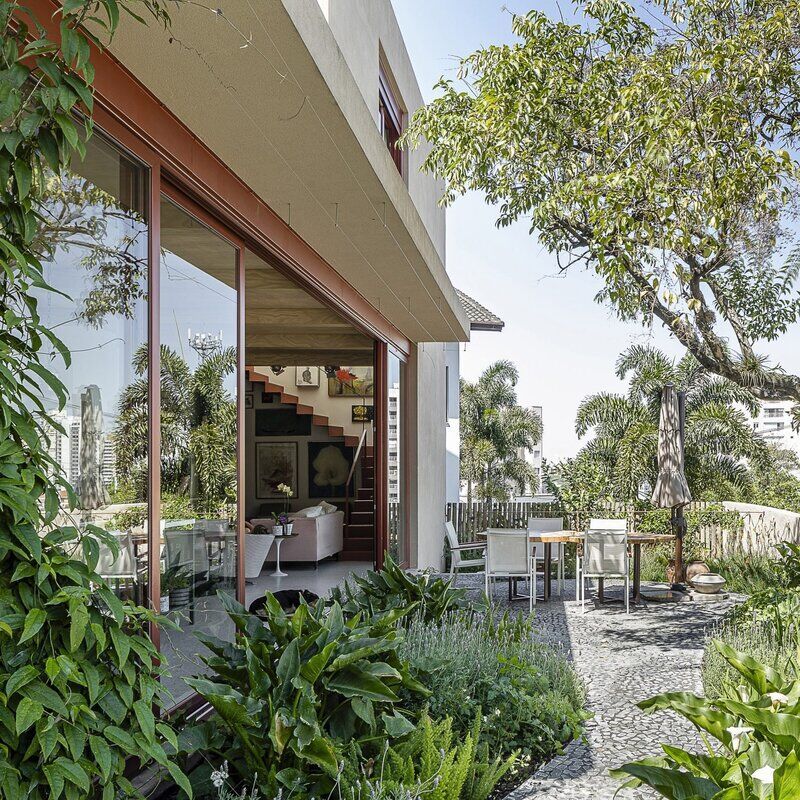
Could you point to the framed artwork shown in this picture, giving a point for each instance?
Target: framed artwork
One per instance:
(363, 414)
(276, 462)
(248, 401)
(306, 376)
(352, 382)
(328, 467)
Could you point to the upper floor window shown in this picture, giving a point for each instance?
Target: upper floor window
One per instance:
(390, 116)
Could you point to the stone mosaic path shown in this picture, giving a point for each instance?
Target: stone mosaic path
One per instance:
(622, 659)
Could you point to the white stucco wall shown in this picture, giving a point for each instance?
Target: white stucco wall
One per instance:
(453, 430)
(362, 28)
(427, 450)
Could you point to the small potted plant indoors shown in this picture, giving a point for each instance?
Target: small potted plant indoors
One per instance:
(283, 526)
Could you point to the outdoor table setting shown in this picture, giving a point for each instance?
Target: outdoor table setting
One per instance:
(548, 539)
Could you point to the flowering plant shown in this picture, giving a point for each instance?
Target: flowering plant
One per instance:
(287, 492)
(758, 726)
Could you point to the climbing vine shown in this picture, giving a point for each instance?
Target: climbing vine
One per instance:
(79, 679)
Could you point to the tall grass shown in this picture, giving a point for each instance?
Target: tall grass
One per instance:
(758, 637)
(529, 695)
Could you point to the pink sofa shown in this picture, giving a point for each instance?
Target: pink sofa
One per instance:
(317, 538)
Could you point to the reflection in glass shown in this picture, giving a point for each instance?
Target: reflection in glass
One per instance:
(92, 240)
(198, 435)
(394, 440)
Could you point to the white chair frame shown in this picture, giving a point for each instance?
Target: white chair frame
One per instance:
(610, 547)
(549, 525)
(594, 525)
(524, 568)
(457, 561)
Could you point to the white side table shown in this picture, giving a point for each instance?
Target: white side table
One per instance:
(278, 542)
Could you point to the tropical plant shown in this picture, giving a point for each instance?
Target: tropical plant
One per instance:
(579, 484)
(422, 595)
(290, 691)
(80, 674)
(775, 483)
(198, 427)
(719, 440)
(494, 431)
(430, 762)
(757, 726)
(529, 696)
(655, 147)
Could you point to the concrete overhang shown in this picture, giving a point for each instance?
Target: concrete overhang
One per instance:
(265, 87)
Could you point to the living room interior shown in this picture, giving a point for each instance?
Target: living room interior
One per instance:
(309, 416)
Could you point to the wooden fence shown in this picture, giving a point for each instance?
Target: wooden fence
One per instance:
(759, 531)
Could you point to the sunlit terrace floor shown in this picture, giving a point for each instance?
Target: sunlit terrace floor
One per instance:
(622, 659)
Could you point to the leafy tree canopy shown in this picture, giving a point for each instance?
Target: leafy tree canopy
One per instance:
(721, 447)
(654, 147)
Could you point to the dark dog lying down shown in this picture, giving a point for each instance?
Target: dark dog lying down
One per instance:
(289, 600)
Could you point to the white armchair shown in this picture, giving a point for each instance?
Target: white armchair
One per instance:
(509, 554)
(457, 560)
(605, 555)
(549, 525)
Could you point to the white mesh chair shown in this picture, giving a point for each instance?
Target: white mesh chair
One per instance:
(509, 554)
(549, 525)
(595, 525)
(457, 560)
(605, 555)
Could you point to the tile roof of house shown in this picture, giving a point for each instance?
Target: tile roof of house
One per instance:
(480, 318)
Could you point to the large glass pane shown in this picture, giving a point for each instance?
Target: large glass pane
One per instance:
(92, 240)
(199, 357)
(398, 548)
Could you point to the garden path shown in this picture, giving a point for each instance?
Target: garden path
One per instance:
(622, 659)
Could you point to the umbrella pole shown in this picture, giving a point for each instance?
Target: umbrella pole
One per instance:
(678, 520)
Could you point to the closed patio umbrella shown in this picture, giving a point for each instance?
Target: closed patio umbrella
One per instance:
(671, 490)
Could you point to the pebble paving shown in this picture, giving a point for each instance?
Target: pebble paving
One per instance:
(622, 659)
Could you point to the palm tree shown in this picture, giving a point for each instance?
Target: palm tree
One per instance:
(495, 431)
(198, 428)
(719, 441)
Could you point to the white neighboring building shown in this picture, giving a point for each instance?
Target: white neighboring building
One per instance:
(535, 457)
(480, 319)
(774, 425)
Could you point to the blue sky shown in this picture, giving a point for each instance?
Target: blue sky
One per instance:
(563, 343)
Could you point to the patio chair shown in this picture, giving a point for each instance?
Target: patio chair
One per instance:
(549, 525)
(457, 560)
(509, 554)
(605, 555)
(595, 525)
(119, 568)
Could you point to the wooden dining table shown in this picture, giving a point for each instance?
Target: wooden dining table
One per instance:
(548, 539)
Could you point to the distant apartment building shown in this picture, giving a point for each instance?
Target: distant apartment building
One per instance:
(534, 457)
(774, 425)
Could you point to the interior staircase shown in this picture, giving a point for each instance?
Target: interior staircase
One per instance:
(359, 531)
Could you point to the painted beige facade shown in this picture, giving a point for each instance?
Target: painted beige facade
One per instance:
(285, 93)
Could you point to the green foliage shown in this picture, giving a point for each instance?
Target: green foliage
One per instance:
(720, 441)
(775, 484)
(493, 431)
(430, 762)
(530, 697)
(79, 674)
(756, 725)
(198, 430)
(420, 595)
(579, 484)
(655, 147)
(292, 690)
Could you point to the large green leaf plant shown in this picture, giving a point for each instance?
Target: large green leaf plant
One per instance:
(79, 691)
(756, 725)
(292, 690)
